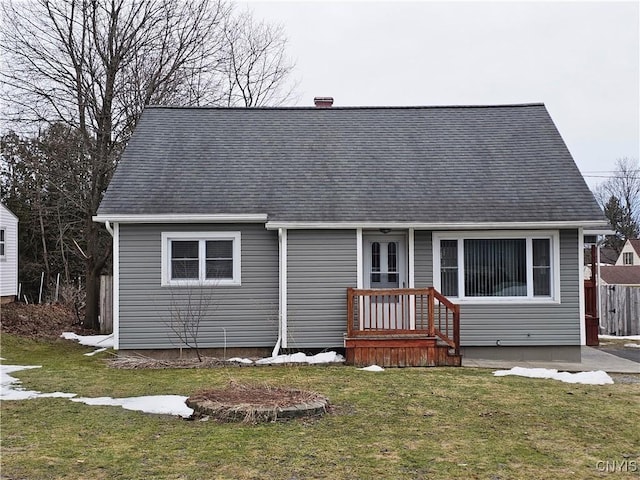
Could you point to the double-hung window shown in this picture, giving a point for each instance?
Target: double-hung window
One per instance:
(497, 266)
(201, 258)
(3, 244)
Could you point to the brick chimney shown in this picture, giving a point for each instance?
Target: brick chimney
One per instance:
(323, 102)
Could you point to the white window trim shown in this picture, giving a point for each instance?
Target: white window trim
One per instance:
(553, 235)
(201, 237)
(3, 256)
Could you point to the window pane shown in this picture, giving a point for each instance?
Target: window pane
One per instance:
(495, 267)
(184, 269)
(2, 235)
(184, 249)
(541, 267)
(375, 263)
(219, 249)
(449, 267)
(222, 269)
(184, 259)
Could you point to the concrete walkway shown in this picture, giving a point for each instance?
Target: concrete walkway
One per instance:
(592, 359)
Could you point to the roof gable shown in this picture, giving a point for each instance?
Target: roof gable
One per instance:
(420, 164)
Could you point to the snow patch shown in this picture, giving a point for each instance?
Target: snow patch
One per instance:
(372, 368)
(240, 360)
(9, 389)
(105, 341)
(598, 377)
(632, 345)
(615, 337)
(325, 357)
(91, 354)
(158, 404)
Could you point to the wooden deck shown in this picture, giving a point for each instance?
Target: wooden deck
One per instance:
(402, 327)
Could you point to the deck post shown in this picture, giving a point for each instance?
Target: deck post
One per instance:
(432, 303)
(349, 311)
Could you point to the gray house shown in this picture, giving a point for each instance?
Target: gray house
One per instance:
(408, 235)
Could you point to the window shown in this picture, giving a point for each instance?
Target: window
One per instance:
(2, 243)
(201, 258)
(627, 258)
(515, 266)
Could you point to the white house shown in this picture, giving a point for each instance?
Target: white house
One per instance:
(629, 254)
(8, 255)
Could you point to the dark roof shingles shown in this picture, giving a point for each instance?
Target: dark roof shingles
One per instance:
(423, 164)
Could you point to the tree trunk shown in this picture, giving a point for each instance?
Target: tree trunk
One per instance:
(92, 309)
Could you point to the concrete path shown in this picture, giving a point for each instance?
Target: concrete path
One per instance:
(592, 359)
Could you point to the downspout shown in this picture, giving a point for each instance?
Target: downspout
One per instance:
(276, 349)
(108, 227)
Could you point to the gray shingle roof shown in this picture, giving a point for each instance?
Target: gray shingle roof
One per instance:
(396, 164)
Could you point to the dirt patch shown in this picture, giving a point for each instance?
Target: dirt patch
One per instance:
(45, 321)
(256, 403)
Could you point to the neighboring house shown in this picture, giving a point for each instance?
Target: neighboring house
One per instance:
(629, 254)
(620, 275)
(274, 213)
(8, 255)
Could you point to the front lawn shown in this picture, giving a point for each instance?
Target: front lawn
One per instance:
(401, 424)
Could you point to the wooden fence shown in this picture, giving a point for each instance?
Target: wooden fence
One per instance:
(106, 304)
(620, 313)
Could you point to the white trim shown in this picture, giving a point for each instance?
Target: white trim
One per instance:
(411, 261)
(116, 286)
(3, 242)
(554, 237)
(436, 226)
(360, 260)
(201, 237)
(283, 285)
(184, 218)
(583, 328)
(411, 243)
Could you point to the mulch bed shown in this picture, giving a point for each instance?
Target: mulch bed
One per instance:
(45, 321)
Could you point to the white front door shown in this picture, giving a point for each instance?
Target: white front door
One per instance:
(385, 258)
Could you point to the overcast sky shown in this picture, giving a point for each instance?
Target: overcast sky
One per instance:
(582, 59)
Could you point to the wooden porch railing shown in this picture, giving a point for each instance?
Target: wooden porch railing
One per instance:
(403, 311)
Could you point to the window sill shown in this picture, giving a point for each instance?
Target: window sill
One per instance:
(505, 301)
(198, 283)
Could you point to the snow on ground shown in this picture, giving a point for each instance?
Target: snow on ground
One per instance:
(615, 337)
(590, 378)
(9, 389)
(240, 360)
(372, 368)
(104, 341)
(159, 404)
(632, 345)
(325, 357)
(91, 354)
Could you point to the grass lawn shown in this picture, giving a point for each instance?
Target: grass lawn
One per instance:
(398, 424)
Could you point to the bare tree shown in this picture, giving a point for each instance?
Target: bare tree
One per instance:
(255, 63)
(95, 64)
(619, 196)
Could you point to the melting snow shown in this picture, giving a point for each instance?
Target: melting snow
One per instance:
(9, 389)
(325, 357)
(598, 377)
(615, 337)
(160, 404)
(103, 341)
(372, 368)
(240, 360)
(632, 345)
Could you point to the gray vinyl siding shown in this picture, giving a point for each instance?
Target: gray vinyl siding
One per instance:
(247, 314)
(518, 324)
(423, 272)
(321, 264)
